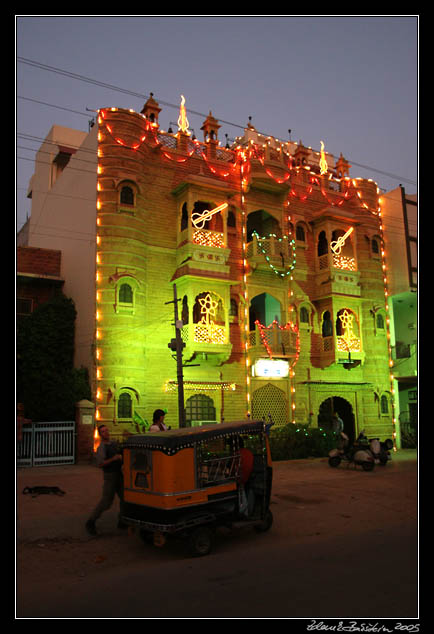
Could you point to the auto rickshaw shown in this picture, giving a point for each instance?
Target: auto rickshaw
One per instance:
(187, 482)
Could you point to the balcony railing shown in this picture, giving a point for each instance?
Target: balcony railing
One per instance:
(272, 247)
(279, 341)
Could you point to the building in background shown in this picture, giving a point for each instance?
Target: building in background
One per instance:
(400, 222)
(276, 254)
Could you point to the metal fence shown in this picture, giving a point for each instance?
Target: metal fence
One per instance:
(44, 444)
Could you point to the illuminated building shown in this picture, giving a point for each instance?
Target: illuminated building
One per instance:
(280, 269)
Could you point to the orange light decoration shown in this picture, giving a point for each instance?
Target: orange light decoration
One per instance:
(182, 119)
(386, 296)
(323, 163)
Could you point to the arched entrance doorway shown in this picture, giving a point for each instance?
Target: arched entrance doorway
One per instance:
(342, 407)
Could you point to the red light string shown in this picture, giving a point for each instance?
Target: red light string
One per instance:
(242, 160)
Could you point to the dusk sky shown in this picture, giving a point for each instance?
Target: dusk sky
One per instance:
(350, 81)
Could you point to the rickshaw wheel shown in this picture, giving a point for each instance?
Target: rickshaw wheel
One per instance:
(266, 523)
(200, 541)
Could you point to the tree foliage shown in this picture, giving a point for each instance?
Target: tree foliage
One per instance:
(47, 382)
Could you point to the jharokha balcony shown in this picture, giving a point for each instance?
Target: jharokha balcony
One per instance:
(274, 340)
(273, 253)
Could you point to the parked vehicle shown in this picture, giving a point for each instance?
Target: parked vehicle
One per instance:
(359, 453)
(187, 482)
(381, 450)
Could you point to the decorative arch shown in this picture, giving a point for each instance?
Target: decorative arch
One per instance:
(200, 407)
(270, 400)
(344, 408)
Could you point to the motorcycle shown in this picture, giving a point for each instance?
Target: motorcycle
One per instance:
(381, 450)
(359, 453)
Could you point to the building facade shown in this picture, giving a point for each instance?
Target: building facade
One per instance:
(277, 261)
(400, 220)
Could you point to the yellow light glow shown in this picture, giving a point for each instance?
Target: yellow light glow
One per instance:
(323, 163)
(182, 119)
(337, 245)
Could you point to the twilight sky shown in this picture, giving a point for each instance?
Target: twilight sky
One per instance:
(350, 81)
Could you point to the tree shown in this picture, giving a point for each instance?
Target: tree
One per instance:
(47, 383)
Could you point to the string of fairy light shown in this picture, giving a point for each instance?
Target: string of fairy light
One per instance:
(241, 164)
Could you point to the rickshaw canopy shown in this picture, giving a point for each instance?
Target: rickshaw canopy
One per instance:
(173, 440)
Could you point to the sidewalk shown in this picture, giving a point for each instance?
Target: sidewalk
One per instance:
(63, 517)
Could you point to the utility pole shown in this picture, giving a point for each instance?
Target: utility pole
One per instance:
(177, 345)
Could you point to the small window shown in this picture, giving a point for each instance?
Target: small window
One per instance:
(184, 217)
(125, 294)
(233, 311)
(125, 406)
(299, 233)
(327, 325)
(231, 219)
(127, 195)
(380, 322)
(322, 244)
(384, 404)
(304, 315)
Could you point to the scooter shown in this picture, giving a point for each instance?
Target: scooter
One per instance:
(358, 454)
(381, 450)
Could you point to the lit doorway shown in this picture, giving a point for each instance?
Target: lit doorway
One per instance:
(345, 411)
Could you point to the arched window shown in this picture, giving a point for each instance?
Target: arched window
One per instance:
(184, 217)
(380, 321)
(199, 407)
(127, 195)
(384, 404)
(125, 294)
(125, 405)
(233, 310)
(327, 325)
(374, 246)
(322, 244)
(299, 233)
(304, 315)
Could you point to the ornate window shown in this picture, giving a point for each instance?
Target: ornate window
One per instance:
(384, 404)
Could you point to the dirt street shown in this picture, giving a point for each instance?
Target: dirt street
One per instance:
(343, 544)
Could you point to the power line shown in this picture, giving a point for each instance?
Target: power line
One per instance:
(95, 82)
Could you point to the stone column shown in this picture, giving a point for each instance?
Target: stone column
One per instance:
(85, 429)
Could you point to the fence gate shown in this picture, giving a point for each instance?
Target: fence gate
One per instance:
(45, 444)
